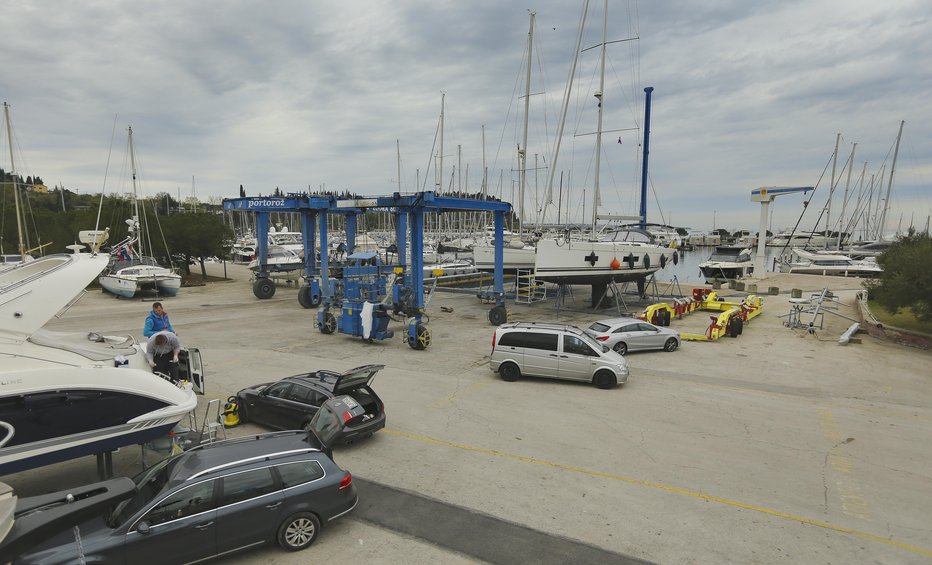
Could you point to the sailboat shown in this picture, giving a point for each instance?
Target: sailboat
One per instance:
(621, 256)
(129, 270)
(517, 254)
(22, 256)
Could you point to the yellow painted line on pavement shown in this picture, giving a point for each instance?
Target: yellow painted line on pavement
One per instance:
(667, 488)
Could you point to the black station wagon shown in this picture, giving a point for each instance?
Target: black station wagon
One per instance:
(214, 500)
(294, 402)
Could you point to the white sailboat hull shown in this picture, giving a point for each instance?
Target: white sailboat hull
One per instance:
(591, 262)
(513, 258)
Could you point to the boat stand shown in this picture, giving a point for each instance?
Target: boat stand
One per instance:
(817, 305)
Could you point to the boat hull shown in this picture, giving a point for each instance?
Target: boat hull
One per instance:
(513, 258)
(598, 262)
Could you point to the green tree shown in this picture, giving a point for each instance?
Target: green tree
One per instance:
(197, 236)
(906, 281)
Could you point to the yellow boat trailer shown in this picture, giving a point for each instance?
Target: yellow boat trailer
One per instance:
(730, 319)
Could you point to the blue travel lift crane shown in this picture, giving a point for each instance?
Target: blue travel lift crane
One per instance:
(364, 278)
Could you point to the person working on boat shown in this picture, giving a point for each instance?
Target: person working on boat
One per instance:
(162, 353)
(157, 321)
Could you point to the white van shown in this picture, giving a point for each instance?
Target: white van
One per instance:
(556, 351)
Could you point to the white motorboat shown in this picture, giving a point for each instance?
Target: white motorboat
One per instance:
(279, 259)
(799, 239)
(809, 263)
(728, 262)
(68, 395)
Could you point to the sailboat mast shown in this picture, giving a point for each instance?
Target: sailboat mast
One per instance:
(522, 151)
(844, 200)
(443, 96)
(886, 204)
(132, 161)
(644, 168)
(598, 133)
(398, 159)
(19, 219)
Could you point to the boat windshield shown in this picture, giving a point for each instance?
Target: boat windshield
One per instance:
(148, 484)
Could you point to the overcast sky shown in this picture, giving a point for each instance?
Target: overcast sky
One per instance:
(301, 95)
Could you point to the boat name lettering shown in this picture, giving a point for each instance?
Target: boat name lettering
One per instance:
(278, 203)
(10, 381)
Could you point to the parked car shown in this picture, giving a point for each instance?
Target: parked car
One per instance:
(556, 351)
(213, 500)
(293, 402)
(630, 334)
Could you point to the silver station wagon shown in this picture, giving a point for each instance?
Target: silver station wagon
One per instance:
(555, 351)
(630, 334)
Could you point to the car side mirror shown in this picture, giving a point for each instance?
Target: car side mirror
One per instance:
(142, 527)
(604, 349)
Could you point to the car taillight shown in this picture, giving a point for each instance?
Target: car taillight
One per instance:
(347, 416)
(602, 338)
(347, 481)
(382, 407)
(494, 335)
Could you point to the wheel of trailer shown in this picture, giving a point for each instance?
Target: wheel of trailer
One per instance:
(670, 344)
(604, 379)
(509, 372)
(263, 288)
(304, 296)
(498, 315)
(733, 327)
(329, 325)
(421, 338)
(620, 348)
(740, 323)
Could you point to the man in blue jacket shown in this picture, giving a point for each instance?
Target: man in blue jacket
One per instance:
(157, 321)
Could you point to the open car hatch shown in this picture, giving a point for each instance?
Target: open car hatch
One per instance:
(355, 378)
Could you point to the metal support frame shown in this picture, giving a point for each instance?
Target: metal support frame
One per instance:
(409, 213)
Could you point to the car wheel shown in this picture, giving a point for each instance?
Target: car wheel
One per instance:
(298, 531)
(509, 372)
(620, 348)
(670, 345)
(604, 379)
(241, 411)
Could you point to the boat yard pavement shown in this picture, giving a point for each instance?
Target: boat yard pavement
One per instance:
(776, 446)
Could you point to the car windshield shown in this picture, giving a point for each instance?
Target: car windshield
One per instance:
(148, 484)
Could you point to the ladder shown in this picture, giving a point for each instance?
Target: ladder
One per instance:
(527, 288)
(212, 423)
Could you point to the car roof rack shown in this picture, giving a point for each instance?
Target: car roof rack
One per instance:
(545, 326)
